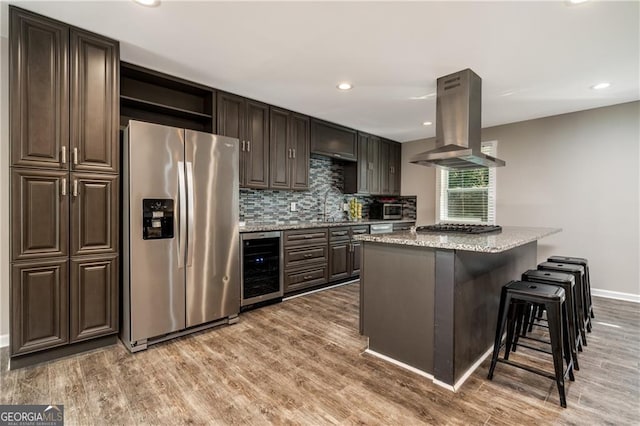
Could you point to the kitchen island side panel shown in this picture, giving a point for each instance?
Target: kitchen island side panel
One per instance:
(397, 302)
(479, 278)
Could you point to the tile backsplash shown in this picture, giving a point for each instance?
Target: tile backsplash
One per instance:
(326, 182)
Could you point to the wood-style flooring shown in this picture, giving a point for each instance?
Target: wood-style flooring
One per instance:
(301, 362)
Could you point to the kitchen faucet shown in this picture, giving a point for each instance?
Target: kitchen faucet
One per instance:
(324, 204)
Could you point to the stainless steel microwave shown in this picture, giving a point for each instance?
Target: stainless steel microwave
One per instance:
(385, 211)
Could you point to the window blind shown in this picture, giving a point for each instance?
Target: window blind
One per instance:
(467, 196)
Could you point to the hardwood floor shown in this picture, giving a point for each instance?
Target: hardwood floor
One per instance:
(300, 362)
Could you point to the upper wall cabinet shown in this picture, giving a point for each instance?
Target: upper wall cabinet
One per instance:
(333, 140)
(148, 95)
(248, 121)
(45, 56)
(289, 150)
(94, 102)
(39, 74)
(377, 171)
(395, 168)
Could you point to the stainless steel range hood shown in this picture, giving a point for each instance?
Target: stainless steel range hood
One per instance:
(458, 114)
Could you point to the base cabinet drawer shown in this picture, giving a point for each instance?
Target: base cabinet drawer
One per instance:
(306, 237)
(403, 226)
(303, 256)
(297, 280)
(339, 234)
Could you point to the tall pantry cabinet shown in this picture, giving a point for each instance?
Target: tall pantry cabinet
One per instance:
(64, 121)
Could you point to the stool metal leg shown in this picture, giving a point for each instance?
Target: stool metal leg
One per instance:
(567, 342)
(502, 319)
(514, 311)
(555, 332)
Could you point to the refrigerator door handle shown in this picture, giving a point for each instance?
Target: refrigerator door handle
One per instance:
(182, 229)
(190, 208)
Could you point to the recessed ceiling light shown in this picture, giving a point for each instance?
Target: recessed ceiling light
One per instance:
(148, 3)
(576, 1)
(345, 86)
(427, 123)
(601, 86)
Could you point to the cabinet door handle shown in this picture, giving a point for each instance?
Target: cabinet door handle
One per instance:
(242, 146)
(75, 155)
(307, 256)
(75, 187)
(63, 155)
(294, 152)
(307, 277)
(248, 146)
(63, 186)
(289, 152)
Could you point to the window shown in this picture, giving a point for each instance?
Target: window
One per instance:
(467, 196)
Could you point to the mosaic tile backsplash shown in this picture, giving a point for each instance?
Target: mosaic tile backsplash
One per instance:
(326, 183)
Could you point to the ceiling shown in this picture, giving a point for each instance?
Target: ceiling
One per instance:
(535, 58)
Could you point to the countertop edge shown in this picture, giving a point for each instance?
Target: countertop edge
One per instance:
(311, 225)
(396, 239)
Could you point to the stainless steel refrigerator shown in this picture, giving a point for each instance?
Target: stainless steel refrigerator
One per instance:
(181, 269)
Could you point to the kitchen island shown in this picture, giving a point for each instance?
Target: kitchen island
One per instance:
(429, 302)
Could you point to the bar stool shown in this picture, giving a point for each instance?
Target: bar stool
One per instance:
(577, 261)
(566, 282)
(584, 323)
(515, 295)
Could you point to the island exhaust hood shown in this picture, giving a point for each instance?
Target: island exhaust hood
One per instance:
(458, 114)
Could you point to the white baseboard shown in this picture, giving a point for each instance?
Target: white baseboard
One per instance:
(435, 381)
(629, 297)
(4, 340)
(400, 364)
(471, 369)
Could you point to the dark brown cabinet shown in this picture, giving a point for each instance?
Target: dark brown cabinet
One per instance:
(355, 258)
(64, 178)
(65, 85)
(39, 214)
(39, 306)
(389, 169)
(305, 258)
(385, 167)
(363, 178)
(344, 252)
(155, 97)
(248, 121)
(39, 90)
(395, 168)
(94, 297)
(94, 213)
(378, 168)
(94, 102)
(289, 150)
(333, 140)
(339, 260)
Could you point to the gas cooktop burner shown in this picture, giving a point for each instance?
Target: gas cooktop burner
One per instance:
(459, 228)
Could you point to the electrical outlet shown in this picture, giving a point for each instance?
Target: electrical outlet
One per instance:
(294, 207)
(345, 207)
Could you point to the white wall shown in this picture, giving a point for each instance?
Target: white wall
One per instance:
(577, 171)
(4, 174)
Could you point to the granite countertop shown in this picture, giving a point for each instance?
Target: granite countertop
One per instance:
(288, 225)
(508, 238)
